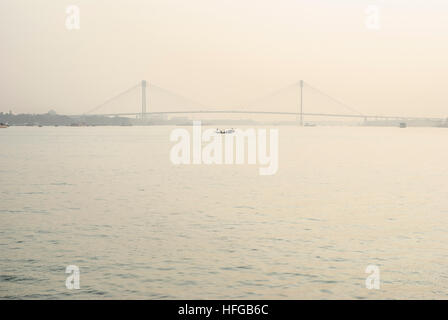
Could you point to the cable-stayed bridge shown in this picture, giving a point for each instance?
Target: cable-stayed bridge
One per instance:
(149, 99)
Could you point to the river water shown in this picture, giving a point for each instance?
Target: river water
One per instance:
(109, 200)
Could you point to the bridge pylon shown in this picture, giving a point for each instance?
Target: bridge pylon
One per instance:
(301, 103)
(143, 99)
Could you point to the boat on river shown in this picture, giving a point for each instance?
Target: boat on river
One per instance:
(225, 131)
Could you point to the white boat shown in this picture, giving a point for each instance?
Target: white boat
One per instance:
(225, 131)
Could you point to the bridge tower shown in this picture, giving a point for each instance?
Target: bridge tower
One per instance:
(301, 102)
(143, 99)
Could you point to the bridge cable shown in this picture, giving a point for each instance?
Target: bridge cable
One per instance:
(113, 98)
(176, 95)
(272, 94)
(333, 99)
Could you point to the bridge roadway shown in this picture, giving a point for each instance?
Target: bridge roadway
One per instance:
(267, 112)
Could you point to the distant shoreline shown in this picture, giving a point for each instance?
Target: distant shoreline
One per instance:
(53, 119)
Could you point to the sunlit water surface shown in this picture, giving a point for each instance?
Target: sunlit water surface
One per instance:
(108, 199)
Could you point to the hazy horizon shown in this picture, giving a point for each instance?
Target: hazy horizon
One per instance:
(225, 52)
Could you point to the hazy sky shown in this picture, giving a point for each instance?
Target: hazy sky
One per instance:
(223, 52)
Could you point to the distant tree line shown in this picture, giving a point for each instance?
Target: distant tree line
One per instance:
(53, 119)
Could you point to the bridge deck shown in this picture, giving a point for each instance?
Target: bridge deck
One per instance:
(269, 112)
